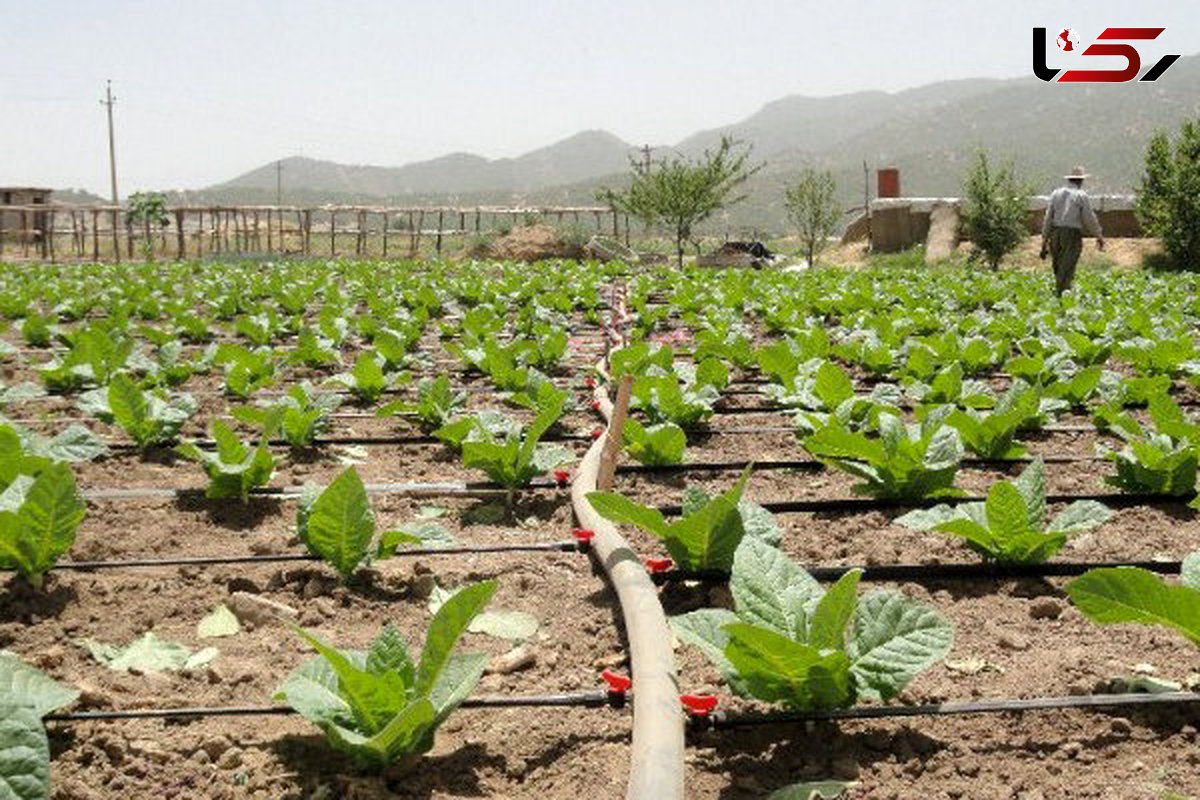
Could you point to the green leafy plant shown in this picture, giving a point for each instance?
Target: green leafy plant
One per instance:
(379, 706)
(709, 531)
(300, 415)
(1112, 595)
(514, 460)
(40, 511)
(26, 696)
(655, 445)
(436, 405)
(788, 641)
(989, 436)
(366, 381)
(148, 419)
(234, 469)
(666, 398)
(906, 461)
(246, 371)
(338, 525)
(1011, 526)
(1161, 461)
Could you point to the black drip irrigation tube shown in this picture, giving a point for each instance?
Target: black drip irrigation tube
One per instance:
(811, 464)
(720, 719)
(445, 489)
(933, 573)
(864, 504)
(209, 444)
(534, 547)
(590, 699)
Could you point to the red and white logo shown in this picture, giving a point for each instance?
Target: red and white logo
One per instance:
(1110, 42)
(1068, 40)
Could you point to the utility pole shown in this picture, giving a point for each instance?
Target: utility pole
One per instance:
(112, 145)
(278, 183)
(646, 157)
(867, 201)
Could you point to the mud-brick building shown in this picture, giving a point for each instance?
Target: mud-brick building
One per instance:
(16, 225)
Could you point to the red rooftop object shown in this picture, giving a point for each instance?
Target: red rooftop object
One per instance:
(888, 180)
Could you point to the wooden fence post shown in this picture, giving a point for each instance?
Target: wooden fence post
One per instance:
(616, 435)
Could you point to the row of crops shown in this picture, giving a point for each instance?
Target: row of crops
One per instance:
(965, 405)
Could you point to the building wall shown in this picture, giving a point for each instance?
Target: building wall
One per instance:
(11, 222)
(897, 224)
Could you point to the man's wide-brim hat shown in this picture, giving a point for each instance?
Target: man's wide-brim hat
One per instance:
(1077, 174)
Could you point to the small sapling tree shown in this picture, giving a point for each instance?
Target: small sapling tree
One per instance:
(813, 210)
(996, 209)
(681, 193)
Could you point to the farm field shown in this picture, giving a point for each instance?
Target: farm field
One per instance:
(854, 408)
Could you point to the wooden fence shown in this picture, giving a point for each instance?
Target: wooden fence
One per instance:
(107, 233)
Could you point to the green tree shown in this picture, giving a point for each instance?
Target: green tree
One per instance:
(995, 209)
(148, 209)
(1168, 201)
(680, 193)
(813, 209)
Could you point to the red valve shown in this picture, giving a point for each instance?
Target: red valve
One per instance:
(657, 565)
(595, 405)
(616, 683)
(589, 382)
(562, 477)
(698, 705)
(597, 433)
(583, 535)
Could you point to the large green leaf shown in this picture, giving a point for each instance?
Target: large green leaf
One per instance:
(340, 524)
(1128, 594)
(1079, 516)
(147, 653)
(42, 527)
(1190, 571)
(777, 669)
(708, 537)
(827, 627)
(832, 385)
(1006, 512)
(1031, 483)
(24, 755)
(894, 639)
(771, 590)
(620, 509)
(129, 407)
(374, 699)
(28, 687)
(448, 624)
(811, 790)
(705, 629)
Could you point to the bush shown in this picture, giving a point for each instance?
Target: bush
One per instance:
(1168, 202)
(995, 209)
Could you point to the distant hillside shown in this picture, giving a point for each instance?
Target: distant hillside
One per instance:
(581, 156)
(930, 133)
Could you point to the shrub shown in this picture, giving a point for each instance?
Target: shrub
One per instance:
(1168, 202)
(995, 209)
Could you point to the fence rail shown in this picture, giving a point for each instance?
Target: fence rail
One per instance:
(100, 233)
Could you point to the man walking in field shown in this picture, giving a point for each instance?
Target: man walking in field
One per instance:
(1068, 213)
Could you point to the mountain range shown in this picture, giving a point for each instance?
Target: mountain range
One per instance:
(930, 133)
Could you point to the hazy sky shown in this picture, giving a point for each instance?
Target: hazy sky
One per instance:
(207, 90)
